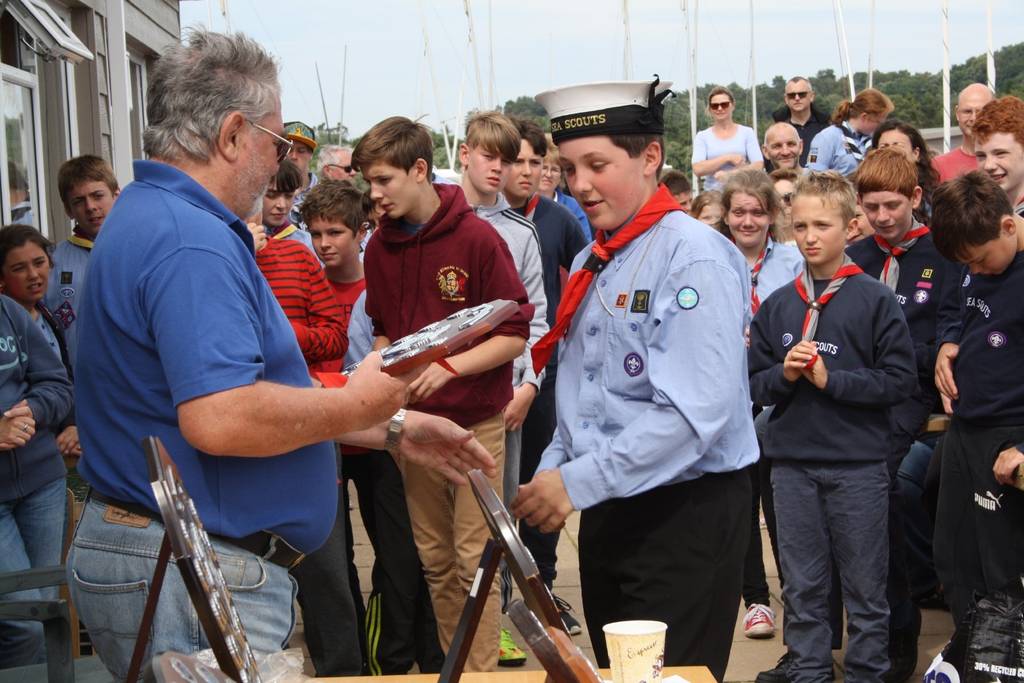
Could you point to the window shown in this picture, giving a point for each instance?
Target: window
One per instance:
(52, 37)
(20, 151)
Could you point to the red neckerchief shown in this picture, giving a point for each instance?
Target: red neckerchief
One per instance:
(810, 326)
(898, 249)
(755, 301)
(601, 253)
(531, 206)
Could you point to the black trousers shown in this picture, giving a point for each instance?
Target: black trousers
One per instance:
(400, 629)
(538, 428)
(673, 554)
(979, 529)
(329, 617)
(755, 581)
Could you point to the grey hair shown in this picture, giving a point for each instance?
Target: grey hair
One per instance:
(197, 84)
(331, 154)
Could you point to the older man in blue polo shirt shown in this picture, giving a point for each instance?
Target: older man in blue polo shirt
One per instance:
(184, 340)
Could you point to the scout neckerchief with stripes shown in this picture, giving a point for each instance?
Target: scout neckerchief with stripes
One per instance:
(755, 301)
(601, 252)
(853, 142)
(805, 287)
(890, 275)
(80, 239)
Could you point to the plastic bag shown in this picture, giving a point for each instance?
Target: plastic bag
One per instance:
(275, 667)
(988, 645)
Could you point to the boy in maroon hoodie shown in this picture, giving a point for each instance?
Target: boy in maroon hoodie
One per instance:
(431, 257)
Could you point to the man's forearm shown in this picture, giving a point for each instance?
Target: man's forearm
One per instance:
(267, 419)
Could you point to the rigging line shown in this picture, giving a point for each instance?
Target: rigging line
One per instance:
(284, 64)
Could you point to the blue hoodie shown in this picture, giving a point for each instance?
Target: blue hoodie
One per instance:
(29, 369)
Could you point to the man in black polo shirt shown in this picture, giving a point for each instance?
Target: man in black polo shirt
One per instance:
(800, 112)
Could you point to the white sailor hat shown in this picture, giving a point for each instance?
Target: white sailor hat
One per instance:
(606, 108)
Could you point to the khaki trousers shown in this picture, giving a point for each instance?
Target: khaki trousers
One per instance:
(450, 534)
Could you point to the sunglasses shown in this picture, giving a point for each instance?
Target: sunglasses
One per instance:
(719, 106)
(797, 95)
(346, 169)
(787, 198)
(284, 145)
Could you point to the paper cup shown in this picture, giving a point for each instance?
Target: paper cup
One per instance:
(636, 650)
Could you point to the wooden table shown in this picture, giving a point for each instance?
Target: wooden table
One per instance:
(694, 674)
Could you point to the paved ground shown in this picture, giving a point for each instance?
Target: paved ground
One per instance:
(748, 656)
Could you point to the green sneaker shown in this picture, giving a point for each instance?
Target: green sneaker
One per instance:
(509, 653)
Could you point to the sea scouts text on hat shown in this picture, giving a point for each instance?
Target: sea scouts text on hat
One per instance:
(606, 108)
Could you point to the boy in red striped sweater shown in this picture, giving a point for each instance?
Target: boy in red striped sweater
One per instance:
(300, 286)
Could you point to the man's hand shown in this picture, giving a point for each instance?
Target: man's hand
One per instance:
(440, 444)
(515, 411)
(67, 442)
(259, 235)
(797, 359)
(381, 394)
(944, 374)
(433, 378)
(544, 502)
(1006, 465)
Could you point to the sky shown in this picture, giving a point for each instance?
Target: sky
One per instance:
(539, 44)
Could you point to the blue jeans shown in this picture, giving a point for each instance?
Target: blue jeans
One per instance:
(110, 567)
(837, 511)
(917, 522)
(31, 535)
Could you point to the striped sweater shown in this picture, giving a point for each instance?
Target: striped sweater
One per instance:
(300, 286)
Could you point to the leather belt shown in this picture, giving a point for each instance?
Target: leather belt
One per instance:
(265, 544)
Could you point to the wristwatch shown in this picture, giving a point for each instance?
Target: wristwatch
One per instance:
(394, 435)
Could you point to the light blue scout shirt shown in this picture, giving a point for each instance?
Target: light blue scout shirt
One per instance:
(838, 149)
(652, 386)
(64, 290)
(782, 263)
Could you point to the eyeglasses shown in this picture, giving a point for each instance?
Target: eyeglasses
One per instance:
(719, 106)
(284, 145)
(346, 169)
(553, 170)
(787, 198)
(798, 95)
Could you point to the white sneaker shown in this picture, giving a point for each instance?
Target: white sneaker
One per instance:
(759, 622)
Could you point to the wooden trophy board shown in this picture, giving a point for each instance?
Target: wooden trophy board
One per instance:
(200, 570)
(442, 338)
(517, 557)
(559, 656)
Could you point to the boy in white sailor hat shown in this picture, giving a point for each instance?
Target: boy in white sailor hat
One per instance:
(654, 421)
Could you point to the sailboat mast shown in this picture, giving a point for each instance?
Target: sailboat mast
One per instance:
(945, 77)
(476, 58)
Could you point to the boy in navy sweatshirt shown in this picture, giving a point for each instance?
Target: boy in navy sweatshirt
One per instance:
(833, 354)
(902, 255)
(430, 257)
(979, 526)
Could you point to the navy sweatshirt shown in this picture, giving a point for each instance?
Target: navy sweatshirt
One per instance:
(30, 370)
(865, 344)
(990, 364)
(928, 295)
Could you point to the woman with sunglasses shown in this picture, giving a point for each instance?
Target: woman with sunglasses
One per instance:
(726, 146)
